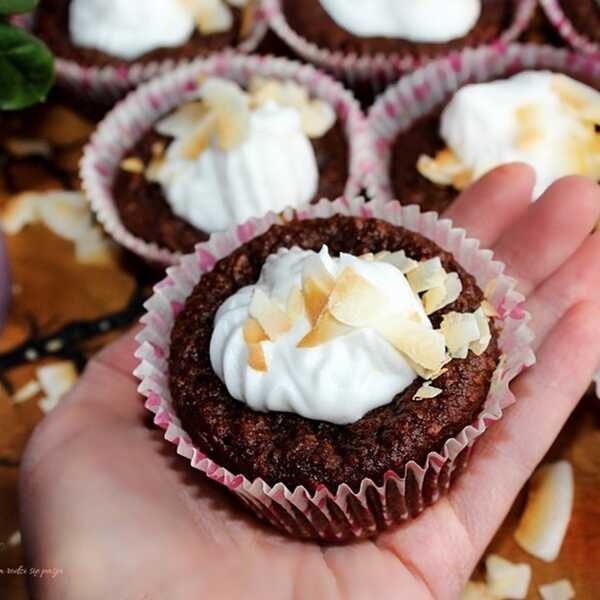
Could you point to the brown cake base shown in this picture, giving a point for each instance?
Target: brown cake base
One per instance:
(145, 212)
(310, 20)
(585, 17)
(282, 447)
(52, 26)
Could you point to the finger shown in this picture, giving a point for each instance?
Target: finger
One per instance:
(550, 232)
(506, 456)
(577, 280)
(120, 354)
(494, 202)
(503, 460)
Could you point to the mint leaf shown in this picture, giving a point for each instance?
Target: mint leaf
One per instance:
(26, 68)
(16, 7)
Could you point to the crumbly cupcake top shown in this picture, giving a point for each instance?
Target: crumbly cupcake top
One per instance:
(436, 21)
(128, 29)
(545, 119)
(331, 339)
(238, 154)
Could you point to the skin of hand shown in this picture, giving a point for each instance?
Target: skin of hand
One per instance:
(105, 499)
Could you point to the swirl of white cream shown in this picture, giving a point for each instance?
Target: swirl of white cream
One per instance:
(273, 168)
(128, 29)
(435, 21)
(339, 381)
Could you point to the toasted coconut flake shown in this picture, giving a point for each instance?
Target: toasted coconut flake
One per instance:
(440, 297)
(271, 318)
(295, 304)
(421, 344)
(57, 379)
(477, 590)
(256, 357)
(326, 329)
(427, 391)
(132, 164)
(489, 309)
(445, 169)
(22, 147)
(253, 332)
(428, 274)
(399, 260)
(231, 106)
(48, 403)
(559, 590)
(158, 149)
(179, 123)
(19, 212)
(317, 118)
(28, 391)
(354, 300)
(544, 523)
(317, 284)
(195, 143)
(65, 213)
(506, 579)
(212, 16)
(460, 330)
(485, 335)
(92, 248)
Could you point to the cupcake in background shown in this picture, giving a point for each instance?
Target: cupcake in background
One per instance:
(543, 117)
(104, 47)
(241, 138)
(577, 21)
(379, 39)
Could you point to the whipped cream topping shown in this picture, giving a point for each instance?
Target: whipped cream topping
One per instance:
(338, 381)
(273, 168)
(541, 118)
(435, 21)
(128, 29)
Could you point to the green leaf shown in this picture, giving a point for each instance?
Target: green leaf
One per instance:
(16, 7)
(26, 68)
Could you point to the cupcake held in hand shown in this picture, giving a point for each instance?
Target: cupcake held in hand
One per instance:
(331, 360)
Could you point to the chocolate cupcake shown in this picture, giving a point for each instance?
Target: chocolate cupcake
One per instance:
(334, 369)
(379, 40)
(478, 110)
(577, 21)
(217, 151)
(104, 47)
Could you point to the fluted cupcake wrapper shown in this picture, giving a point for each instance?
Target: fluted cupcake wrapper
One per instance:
(377, 69)
(103, 86)
(343, 514)
(566, 29)
(429, 88)
(128, 121)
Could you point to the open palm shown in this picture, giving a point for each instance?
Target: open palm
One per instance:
(104, 498)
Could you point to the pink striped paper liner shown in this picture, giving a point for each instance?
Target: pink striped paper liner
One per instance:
(431, 87)
(566, 29)
(103, 86)
(127, 122)
(342, 514)
(378, 69)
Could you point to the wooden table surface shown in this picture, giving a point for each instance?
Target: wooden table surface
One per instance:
(51, 289)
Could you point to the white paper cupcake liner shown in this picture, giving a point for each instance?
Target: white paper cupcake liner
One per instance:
(377, 69)
(128, 121)
(342, 514)
(431, 87)
(566, 29)
(103, 86)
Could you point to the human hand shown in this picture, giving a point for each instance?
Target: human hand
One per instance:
(106, 500)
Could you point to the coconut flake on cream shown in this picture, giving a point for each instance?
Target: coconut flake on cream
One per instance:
(128, 29)
(545, 119)
(333, 338)
(436, 21)
(239, 155)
